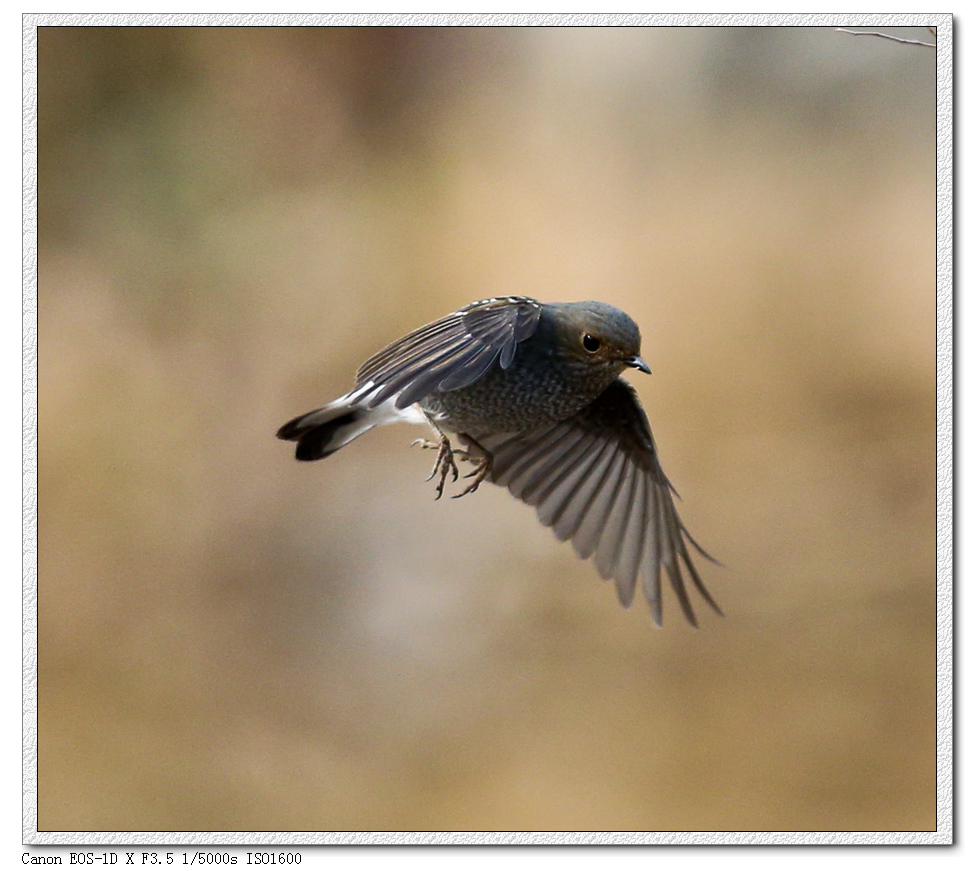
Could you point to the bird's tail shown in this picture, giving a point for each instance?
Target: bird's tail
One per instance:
(323, 431)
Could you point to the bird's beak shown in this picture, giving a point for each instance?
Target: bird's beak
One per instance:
(637, 363)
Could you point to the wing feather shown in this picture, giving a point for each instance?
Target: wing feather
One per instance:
(449, 353)
(590, 530)
(597, 481)
(510, 466)
(628, 565)
(557, 499)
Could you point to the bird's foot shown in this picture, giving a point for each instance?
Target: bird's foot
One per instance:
(445, 464)
(481, 470)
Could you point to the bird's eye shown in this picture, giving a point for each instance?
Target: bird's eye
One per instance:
(590, 343)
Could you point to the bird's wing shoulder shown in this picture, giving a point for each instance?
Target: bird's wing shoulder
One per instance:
(597, 481)
(449, 353)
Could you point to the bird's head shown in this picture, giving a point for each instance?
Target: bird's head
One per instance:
(597, 336)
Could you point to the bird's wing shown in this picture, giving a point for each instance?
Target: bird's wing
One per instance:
(449, 353)
(596, 480)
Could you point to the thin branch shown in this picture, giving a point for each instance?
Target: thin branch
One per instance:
(886, 36)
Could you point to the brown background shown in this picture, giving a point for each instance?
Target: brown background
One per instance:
(231, 220)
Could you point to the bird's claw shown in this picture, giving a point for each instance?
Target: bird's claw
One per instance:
(446, 465)
(479, 474)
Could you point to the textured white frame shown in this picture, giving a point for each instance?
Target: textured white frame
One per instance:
(945, 615)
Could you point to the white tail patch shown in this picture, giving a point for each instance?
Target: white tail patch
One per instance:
(361, 419)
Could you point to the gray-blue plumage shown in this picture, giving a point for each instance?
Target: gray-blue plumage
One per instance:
(533, 393)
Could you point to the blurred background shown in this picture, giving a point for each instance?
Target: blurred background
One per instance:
(232, 219)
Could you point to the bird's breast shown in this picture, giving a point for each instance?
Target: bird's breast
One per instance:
(530, 394)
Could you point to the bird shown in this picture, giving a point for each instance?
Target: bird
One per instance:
(533, 395)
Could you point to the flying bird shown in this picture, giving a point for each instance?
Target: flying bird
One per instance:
(532, 393)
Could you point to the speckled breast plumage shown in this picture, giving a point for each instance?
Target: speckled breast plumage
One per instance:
(536, 390)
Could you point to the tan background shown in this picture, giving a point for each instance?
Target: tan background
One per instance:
(231, 220)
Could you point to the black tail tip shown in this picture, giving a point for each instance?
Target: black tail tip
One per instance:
(291, 431)
(311, 449)
(316, 438)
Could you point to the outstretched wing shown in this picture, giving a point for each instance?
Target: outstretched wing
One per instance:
(596, 480)
(449, 353)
